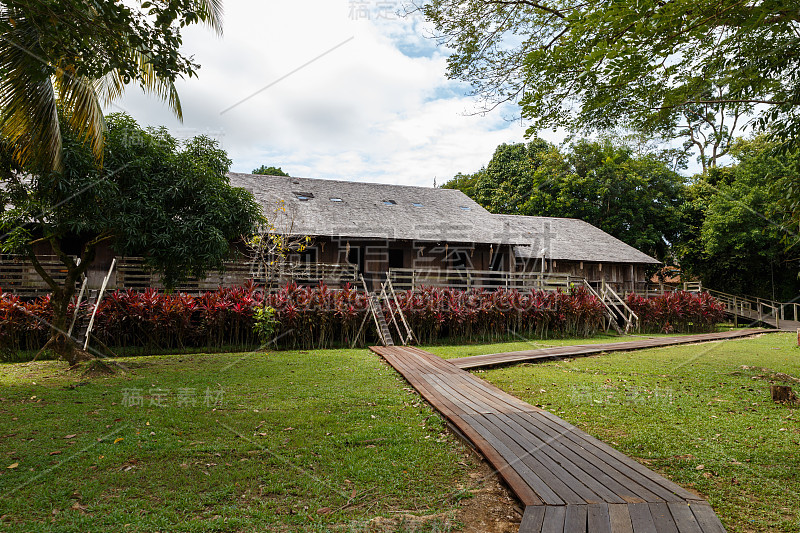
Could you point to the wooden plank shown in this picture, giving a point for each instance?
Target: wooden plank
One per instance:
(562, 470)
(513, 478)
(477, 361)
(683, 517)
(557, 478)
(467, 405)
(620, 518)
(641, 519)
(544, 459)
(554, 519)
(624, 491)
(501, 404)
(593, 451)
(433, 397)
(662, 517)
(598, 520)
(514, 403)
(575, 519)
(655, 482)
(707, 518)
(543, 489)
(532, 519)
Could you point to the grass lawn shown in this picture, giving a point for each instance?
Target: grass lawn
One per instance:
(328, 440)
(285, 441)
(692, 413)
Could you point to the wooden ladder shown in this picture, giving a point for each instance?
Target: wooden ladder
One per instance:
(376, 309)
(84, 325)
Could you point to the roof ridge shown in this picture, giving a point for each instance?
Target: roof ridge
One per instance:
(327, 180)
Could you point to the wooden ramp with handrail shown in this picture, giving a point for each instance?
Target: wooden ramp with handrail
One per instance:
(759, 310)
(568, 481)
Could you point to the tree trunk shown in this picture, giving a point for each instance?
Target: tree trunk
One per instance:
(782, 394)
(60, 299)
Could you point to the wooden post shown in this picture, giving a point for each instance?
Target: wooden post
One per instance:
(798, 336)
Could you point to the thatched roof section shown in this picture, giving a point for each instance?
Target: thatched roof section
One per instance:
(379, 211)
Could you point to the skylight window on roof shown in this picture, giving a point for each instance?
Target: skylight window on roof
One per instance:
(416, 204)
(335, 199)
(389, 202)
(465, 207)
(303, 196)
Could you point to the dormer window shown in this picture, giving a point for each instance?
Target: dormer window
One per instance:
(465, 207)
(416, 204)
(336, 199)
(389, 202)
(303, 196)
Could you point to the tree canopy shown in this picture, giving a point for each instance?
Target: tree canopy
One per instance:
(270, 171)
(646, 65)
(736, 226)
(634, 198)
(155, 197)
(77, 56)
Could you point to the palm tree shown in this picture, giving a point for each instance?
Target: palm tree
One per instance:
(37, 81)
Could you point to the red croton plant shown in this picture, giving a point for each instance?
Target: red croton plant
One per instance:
(319, 317)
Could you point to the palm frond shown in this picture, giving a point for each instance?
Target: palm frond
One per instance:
(152, 83)
(109, 88)
(210, 12)
(28, 109)
(81, 105)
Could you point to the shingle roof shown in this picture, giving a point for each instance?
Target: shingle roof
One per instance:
(417, 213)
(568, 239)
(372, 210)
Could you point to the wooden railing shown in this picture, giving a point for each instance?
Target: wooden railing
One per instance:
(411, 278)
(648, 288)
(132, 273)
(748, 307)
(758, 309)
(17, 275)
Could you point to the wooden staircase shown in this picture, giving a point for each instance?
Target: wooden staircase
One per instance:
(617, 314)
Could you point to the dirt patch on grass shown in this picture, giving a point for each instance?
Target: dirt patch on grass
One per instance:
(485, 505)
(491, 508)
(766, 374)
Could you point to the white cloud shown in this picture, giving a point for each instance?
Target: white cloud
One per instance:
(377, 108)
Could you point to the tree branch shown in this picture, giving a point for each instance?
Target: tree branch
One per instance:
(528, 3)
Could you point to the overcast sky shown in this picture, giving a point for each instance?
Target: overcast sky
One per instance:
(333, 89)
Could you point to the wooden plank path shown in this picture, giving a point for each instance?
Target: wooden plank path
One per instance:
(568, 481)
(477, 361)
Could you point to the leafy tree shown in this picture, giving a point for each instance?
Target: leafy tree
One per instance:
(77, 56)
(736, 227)
(647, 65)
(464, 182)
(634, 198)
(270, 171)
(167, 201)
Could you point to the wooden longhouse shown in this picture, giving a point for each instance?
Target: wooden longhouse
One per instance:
(412, 232)
(416, 235)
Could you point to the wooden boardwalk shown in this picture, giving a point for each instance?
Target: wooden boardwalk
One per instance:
(477, 361)
(568, 481)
